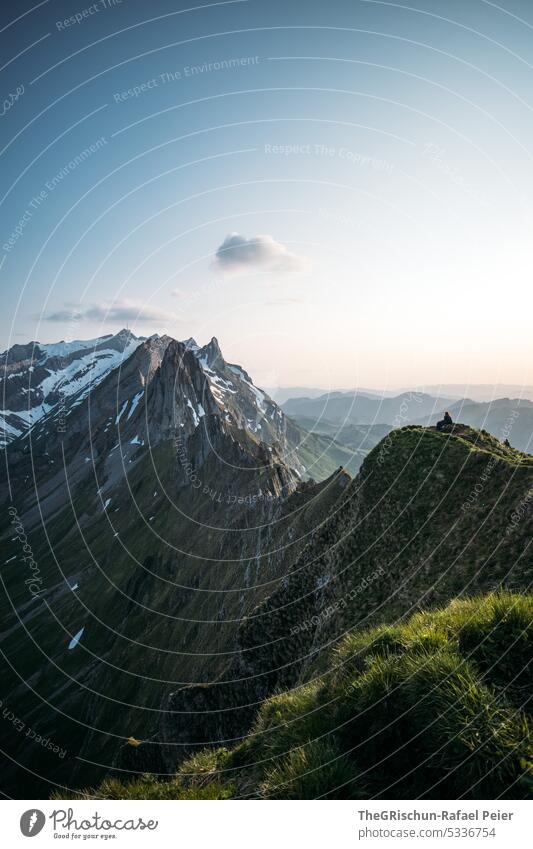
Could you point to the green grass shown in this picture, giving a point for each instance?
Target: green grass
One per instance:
(437, 707)
(149, 787)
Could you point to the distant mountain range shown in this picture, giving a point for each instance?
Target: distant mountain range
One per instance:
(337, 413)
(480, 391)
(445, 391)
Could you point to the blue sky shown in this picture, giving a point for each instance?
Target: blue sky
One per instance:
(364, 166)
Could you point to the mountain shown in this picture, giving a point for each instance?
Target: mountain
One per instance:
(337, 656)
(162, 501)
(360, 439)
(358, 408)
(43, 385)
(447, 392)
(506, 418)
(168, 567)
(280, 394)
(36, 378)
(284, 393)
(480, 391)
(359, 421)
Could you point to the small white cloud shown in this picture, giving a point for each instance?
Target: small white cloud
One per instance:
(238, 254)
(121, 310)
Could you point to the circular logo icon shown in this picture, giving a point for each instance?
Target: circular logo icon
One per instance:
(32, 822)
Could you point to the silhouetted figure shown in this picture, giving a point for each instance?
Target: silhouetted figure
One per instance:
(506, 443)
(445, 422)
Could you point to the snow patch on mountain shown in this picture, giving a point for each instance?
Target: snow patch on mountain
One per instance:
(85, 372)
(66, 385)
(134, 403)
(63, 349)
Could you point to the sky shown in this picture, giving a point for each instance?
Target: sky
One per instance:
(340, 192)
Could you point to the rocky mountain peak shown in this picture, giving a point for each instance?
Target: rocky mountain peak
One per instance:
(212, 353)
(20, 353)
(191, 344)
(124, 333)
(89, 396)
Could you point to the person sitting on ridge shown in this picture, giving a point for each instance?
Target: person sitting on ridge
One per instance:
(445, 422)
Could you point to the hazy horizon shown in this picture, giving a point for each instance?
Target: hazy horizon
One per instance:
(479, 391)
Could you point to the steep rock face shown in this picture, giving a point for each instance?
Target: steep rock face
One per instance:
(179, 397)
(158, 573)
(156, 520)
(164, 390)
(78, 432)
(251, 408)
(114, 398)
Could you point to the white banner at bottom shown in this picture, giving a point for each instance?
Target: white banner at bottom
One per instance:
(269, 824)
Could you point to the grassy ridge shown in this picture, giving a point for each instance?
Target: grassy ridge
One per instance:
(429, 518)
(436, 707)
